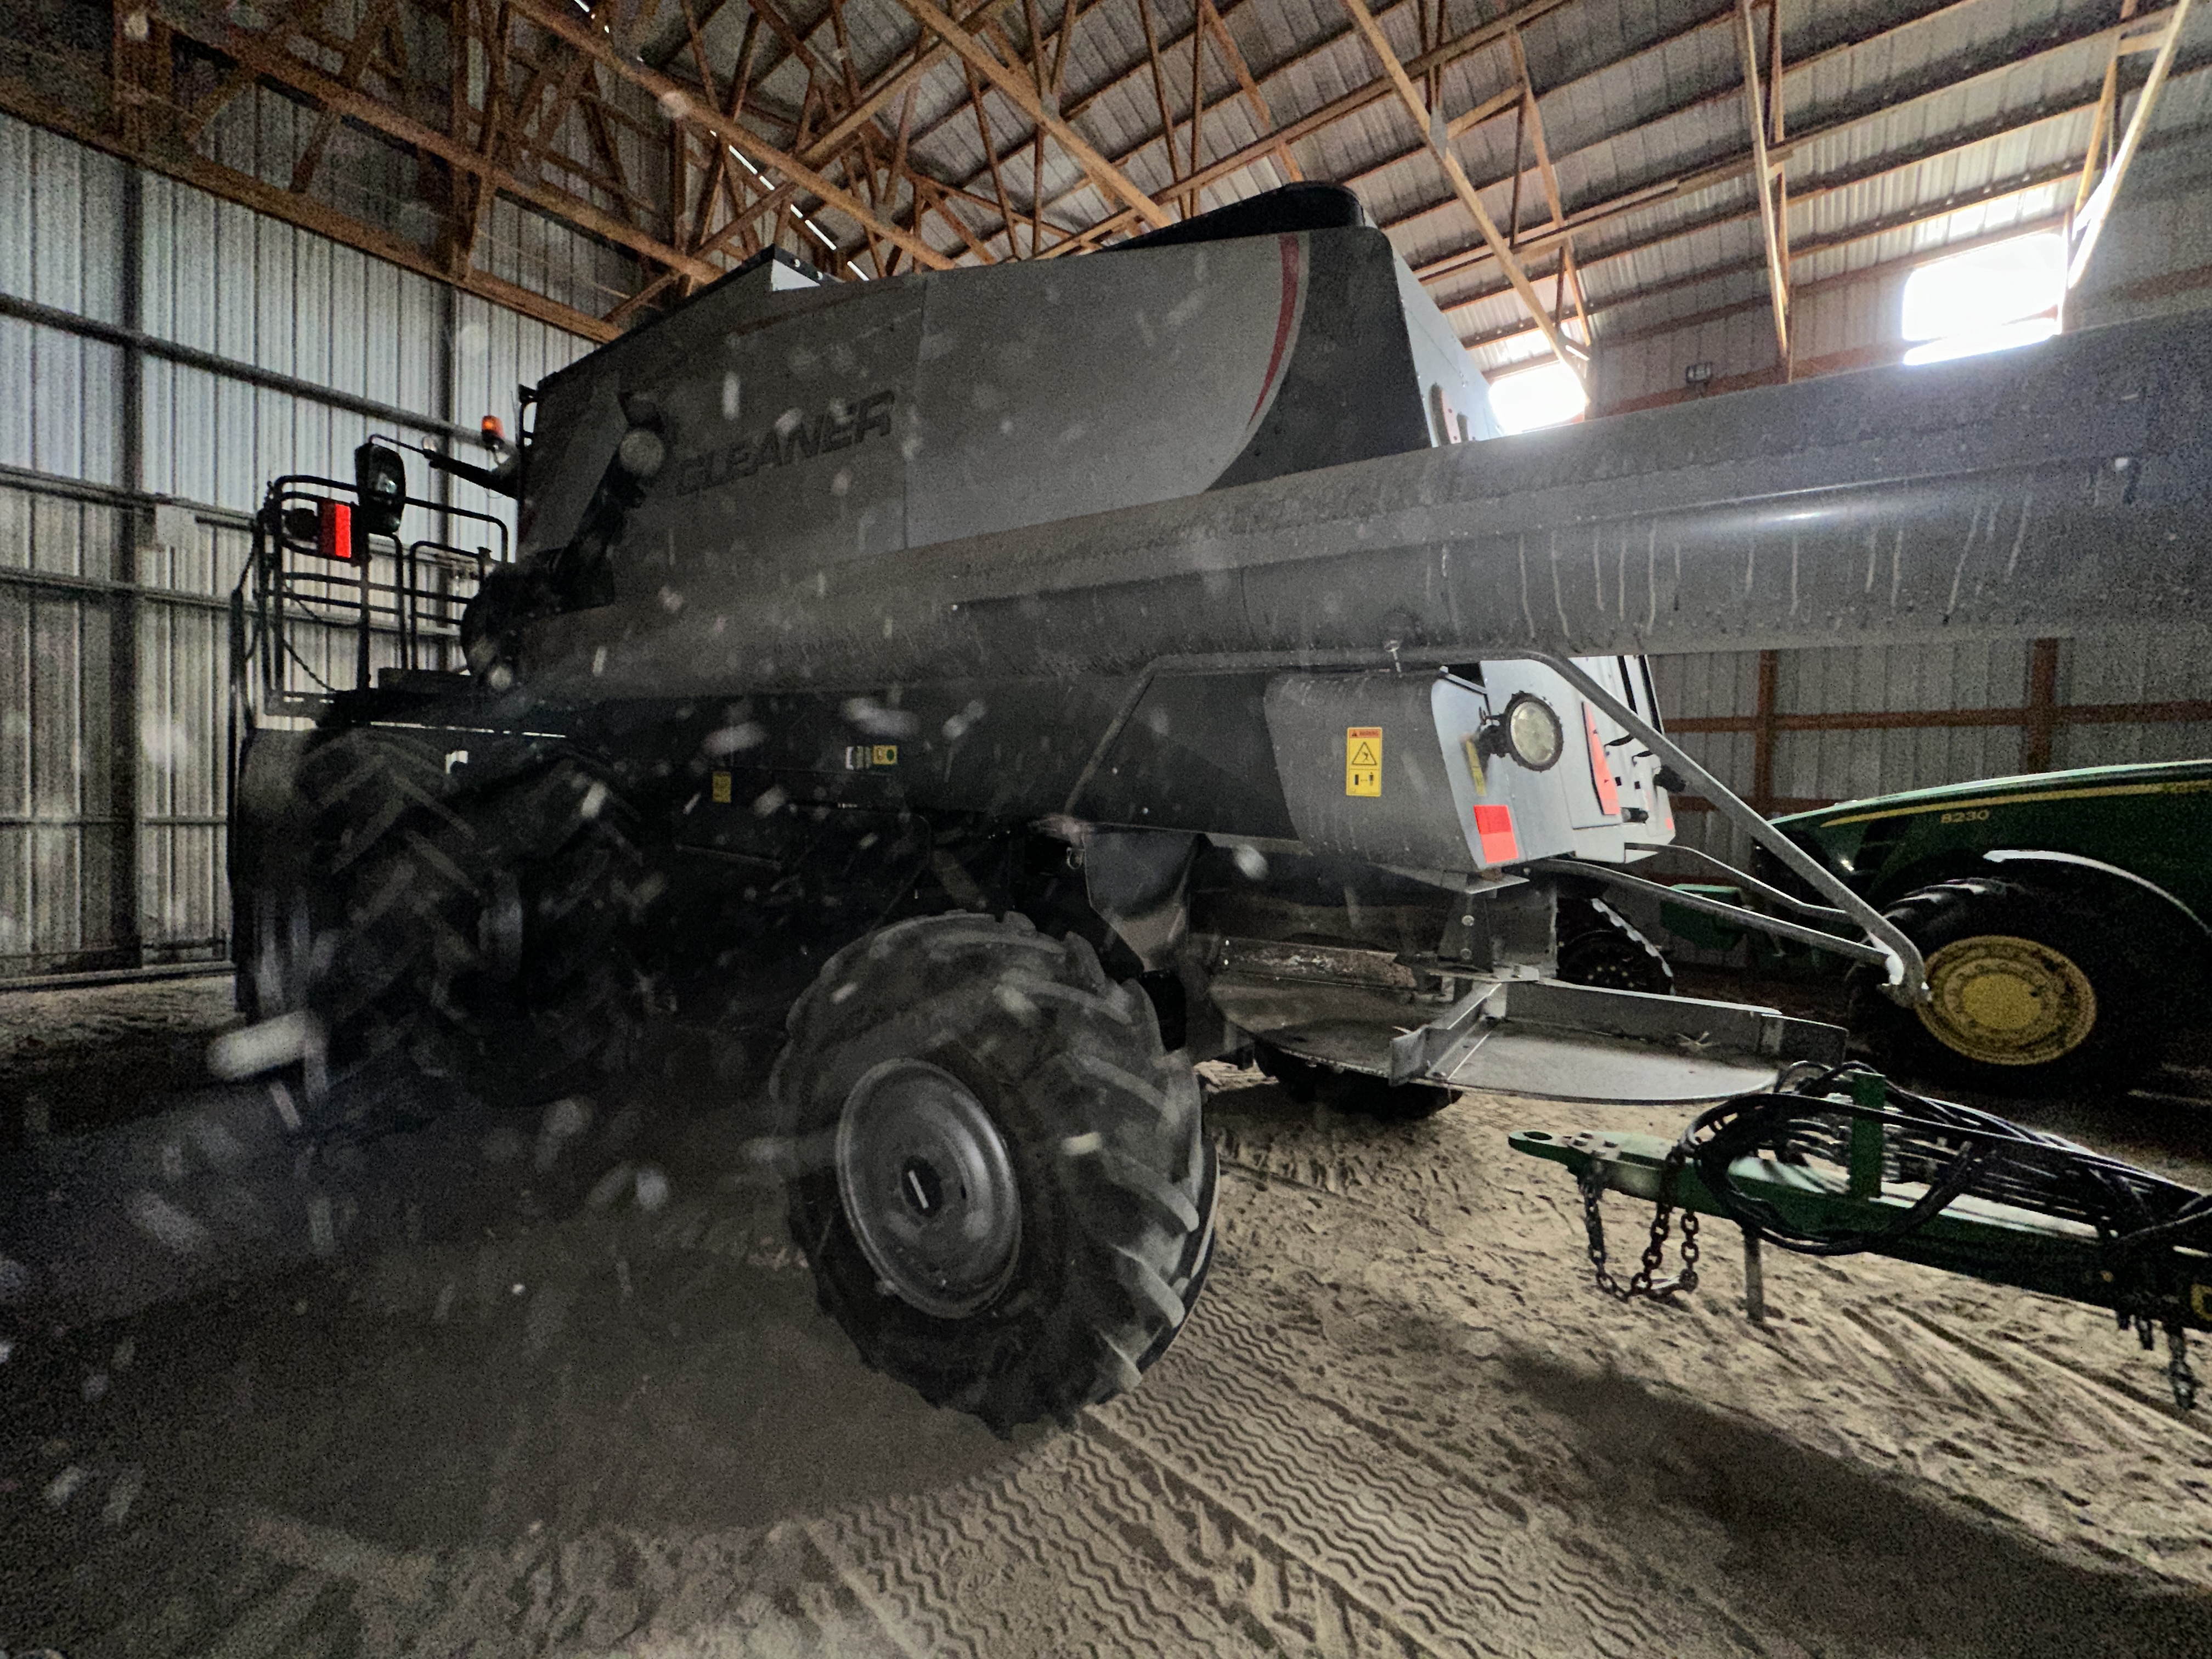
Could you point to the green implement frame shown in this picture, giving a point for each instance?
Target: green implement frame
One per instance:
(1848, 1166)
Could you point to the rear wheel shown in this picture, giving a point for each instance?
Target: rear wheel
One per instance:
(463, 936)
(382, 945)
(1001, 1180)
(2032, 992)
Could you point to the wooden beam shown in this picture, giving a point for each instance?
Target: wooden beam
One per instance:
(1762, 728)
(1351, 103)
(248, 48)
(1440, 147)
(1261, 114)
(375, 20)
(244, 188)
(1762, 175)
(1109, 178)
(998, 175)
(928, 52)
(2179, 713)
(1160, 92)
(1737, 166)
(1197, 111)
(549, 15)
(2042, 706)
(2089, 223)
(931, 190)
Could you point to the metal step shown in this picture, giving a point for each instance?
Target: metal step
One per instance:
(1529, 1037)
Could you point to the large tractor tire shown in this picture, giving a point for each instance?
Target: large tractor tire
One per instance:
(474, 937)
(571, 895)
(383, 939)
(1000, 1178)
(2034, 992)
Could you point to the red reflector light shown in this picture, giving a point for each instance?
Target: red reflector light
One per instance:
(1493, 829)
(1608, 797)
(334, 528)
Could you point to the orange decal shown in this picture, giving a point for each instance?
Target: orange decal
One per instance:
(1608, 797)
(1494, 828)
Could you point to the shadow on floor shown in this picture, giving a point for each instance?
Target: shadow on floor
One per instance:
(1837, 1554)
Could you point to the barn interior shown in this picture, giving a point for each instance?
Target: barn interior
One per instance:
(517, 1405)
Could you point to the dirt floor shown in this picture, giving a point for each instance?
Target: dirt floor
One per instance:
(1401, 1422)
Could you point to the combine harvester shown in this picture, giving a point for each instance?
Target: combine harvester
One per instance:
(1039, 679)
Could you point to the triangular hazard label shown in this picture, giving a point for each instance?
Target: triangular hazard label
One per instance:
(1362, 754)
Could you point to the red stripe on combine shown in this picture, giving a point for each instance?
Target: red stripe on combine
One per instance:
(1608, 794)
(1283, 319)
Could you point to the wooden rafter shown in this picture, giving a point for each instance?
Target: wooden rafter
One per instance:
(1160, 92)
(1432, 121)
(376, 19)
(280, 66)
(1363, 97)
(1762, 181)
(1261, 113)
(1739, 166)
(2088, 222)
(538, 102)
(1109, 178)
(548, 15)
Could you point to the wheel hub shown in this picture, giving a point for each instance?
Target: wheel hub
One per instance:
(928, 1187)
(2007, 1001)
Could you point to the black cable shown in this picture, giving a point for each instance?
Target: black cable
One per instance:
(2132, 1209)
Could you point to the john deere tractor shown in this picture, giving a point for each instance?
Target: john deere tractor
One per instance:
(2062, 917)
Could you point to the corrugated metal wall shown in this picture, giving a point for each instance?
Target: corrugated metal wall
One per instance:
(125, 478)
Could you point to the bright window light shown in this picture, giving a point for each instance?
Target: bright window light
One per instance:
(1990, 299)
(1546, 395)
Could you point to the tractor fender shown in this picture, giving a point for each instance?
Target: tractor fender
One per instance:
(2072, 867)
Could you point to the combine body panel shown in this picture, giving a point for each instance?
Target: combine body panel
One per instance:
(994, 690)
(809, 427)
(804, 430)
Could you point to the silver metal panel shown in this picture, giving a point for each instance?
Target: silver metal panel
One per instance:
(57, 845)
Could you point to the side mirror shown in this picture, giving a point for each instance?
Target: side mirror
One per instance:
(380, 479)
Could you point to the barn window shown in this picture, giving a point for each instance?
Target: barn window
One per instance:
(1989, 299)
(1546, 395)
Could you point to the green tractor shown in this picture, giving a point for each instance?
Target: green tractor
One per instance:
(2063, 916)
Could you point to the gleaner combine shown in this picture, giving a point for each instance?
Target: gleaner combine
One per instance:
(1039, 679)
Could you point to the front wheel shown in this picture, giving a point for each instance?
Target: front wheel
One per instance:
(1002, 1179)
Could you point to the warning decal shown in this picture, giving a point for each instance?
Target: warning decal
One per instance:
(1363, 759)
(721, 788)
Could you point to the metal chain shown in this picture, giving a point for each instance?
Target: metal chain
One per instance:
(2178, 1371)
(1642, 1282)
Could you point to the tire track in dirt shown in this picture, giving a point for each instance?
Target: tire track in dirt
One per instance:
(973, 1564)
(1399, 1533)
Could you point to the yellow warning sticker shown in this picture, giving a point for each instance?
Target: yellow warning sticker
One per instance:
(721, 788)
(1363, 759)
(1473, 745)
(885, 754)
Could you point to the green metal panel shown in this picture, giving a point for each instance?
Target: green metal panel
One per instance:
(2154, 822)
